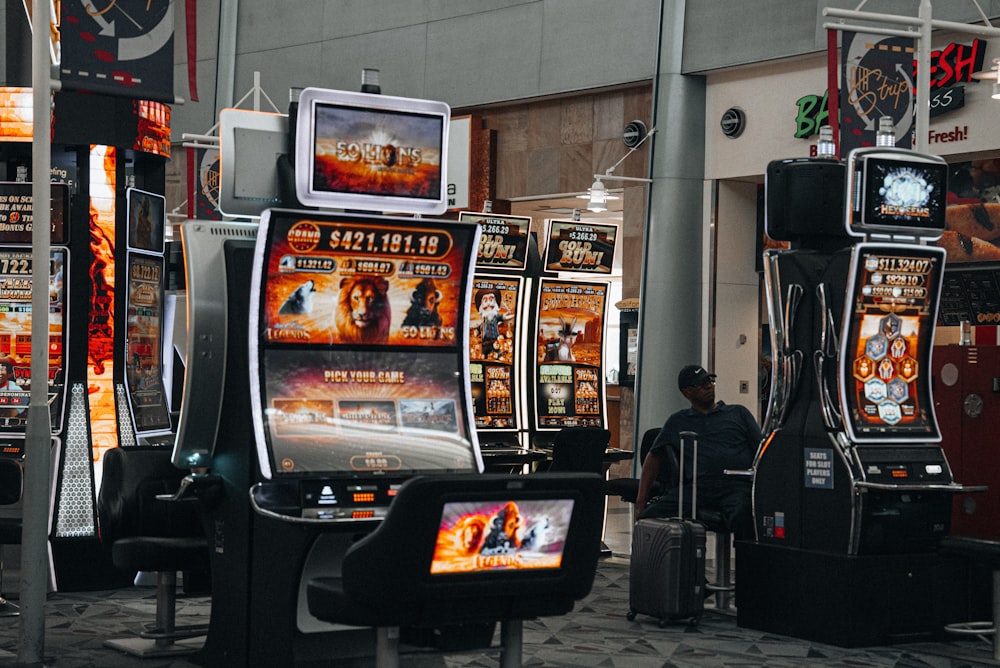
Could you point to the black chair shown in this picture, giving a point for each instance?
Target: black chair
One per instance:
(628, 488)
(986, 553)
(438, 558)
(11, 486)
(580, 450)
(148, 529)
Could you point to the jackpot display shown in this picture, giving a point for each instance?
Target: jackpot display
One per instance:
(569, 388)
(580, 247)
(887, 336)
(358, 343)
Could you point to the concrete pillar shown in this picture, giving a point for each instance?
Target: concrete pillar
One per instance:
(676, 269)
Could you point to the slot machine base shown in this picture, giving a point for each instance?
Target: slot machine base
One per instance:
(853, 601)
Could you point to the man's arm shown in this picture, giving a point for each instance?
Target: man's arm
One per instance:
(754, 434)
(650, 472)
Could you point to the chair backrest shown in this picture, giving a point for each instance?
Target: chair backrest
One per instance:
(11, 481)
(647, 442)
(480, 548)
(580, 450)
(127, 505)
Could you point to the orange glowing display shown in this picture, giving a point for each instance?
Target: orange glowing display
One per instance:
(101, 327)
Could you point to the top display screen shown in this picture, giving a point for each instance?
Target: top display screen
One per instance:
(371, 152)
(896, 192)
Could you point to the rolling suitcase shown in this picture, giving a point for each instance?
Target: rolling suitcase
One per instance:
(667, 566)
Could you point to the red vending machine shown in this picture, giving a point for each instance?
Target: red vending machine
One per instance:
(967, 393)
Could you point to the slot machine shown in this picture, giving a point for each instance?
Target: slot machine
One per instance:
(16, 281)
(851, 487)
(338, 369)
(570, 318)
(148, 421)
(506, 271)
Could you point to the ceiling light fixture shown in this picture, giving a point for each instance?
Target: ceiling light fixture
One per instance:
(598, 197)
(599, 193)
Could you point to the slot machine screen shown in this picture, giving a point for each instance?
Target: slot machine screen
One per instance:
(888, 331)
(359, 340)
(15, 337)
(501, 535)
(495, 352)
(896, 191)
(16, 212)
(371, 152)
(569, 365)
(144, 343)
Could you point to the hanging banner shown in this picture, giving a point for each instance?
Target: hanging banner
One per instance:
(119, 47)
(876, 80)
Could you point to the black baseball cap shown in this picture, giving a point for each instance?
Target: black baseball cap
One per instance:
(693, 375)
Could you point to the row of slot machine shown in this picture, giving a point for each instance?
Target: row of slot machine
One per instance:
(104, 353)
(142, 335)
(364, 324)
(526, 388)
(334, 354)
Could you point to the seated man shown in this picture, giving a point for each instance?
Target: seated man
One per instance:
(728, 437)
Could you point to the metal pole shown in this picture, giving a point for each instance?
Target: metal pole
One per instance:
(923, 97)
(38, 439)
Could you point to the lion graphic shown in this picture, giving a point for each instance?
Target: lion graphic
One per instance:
(363, 311)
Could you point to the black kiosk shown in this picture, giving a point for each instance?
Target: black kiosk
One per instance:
(852, 490)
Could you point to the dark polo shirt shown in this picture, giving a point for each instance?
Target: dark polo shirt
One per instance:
(728, 437)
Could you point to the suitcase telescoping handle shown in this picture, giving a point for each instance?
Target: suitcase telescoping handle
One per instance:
(693, 436)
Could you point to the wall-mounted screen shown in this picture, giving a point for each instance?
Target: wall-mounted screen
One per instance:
(143, 343)
(15, 337)
(371, 152)
(249, 145)
(894, 191)
(569, 365)
(359, 341)
(490, 536)
(888, 331)
(146, 217)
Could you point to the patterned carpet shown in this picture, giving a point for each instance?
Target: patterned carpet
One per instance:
(596, 633)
